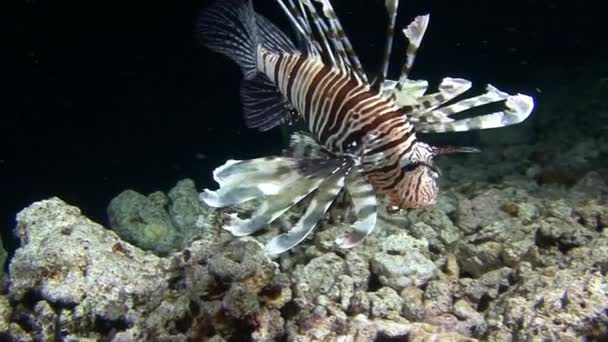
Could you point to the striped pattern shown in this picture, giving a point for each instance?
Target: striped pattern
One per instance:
(363, 136)
(279, 182)
(339, 111)
(391, 9)
(322, 200)
(364, 205)
(408, 186)
(348, 118)
(334, 44)
(414, 34)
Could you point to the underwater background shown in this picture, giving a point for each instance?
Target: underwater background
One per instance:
(105, 96)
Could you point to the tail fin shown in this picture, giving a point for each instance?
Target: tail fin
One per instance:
(229, 27)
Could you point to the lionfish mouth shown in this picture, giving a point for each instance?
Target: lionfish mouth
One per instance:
(433, 168)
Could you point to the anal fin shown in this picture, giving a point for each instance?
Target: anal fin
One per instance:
(264, 106)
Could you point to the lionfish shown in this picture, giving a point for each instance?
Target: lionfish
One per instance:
(361, 135)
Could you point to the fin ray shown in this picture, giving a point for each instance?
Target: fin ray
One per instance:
(272, 37)
(391, 9)
(305, 146)
(364, 204)
(414, 33)
(228, 27)
(264, 107)
(326, 193)
(244, 180)
(274, 206)
(518, 108)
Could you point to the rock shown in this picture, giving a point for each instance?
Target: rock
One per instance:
(421, 230)
(515, 251)
(502, 243)
(565, 234)
(481, 258)
(73, 263)
(270, 326)
(403, 262)
(434, 225)
(73, 274)
(3, 275)
(452, 269)
(359, 303)
(559, 209)
(44, 318)
(357, 267)
(413, 303)
(487, 287)
(499, 257)
(525, 211)
(563, 308)
(471, 321)
(61, 247)
(592, 215)
(367, 329)
(5, 314)
(143, 222)
(445, 322)
(437, 298)
(385, 303)
(591, 185)
(185, 209)
(316, 278)
(161, 223)
(346, 288)
(480, 211)
(571, 164)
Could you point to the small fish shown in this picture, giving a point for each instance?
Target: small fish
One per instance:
(361, 134)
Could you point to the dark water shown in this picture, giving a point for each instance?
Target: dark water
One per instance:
(108, 95)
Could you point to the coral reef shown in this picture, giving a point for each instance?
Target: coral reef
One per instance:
(504, 261)
(74, 280)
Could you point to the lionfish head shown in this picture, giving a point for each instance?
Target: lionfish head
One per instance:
(418, 188)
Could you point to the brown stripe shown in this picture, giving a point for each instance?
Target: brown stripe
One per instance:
(277, 68)
(293, 74)
(381, 119)
(394, 142)
(395, 125)
(398, 178)
(385, 169)
(338, 118)
(324, 96)
(325, 89)
(418, 185)
(322, 72)
(389, 167)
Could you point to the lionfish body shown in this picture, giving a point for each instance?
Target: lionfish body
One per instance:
(362, 135)
(349, 119)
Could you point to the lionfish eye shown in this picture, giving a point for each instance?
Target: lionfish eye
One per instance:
(411, 166)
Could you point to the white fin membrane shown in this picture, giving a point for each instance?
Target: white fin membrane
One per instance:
(364, 205)
(323, 198)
